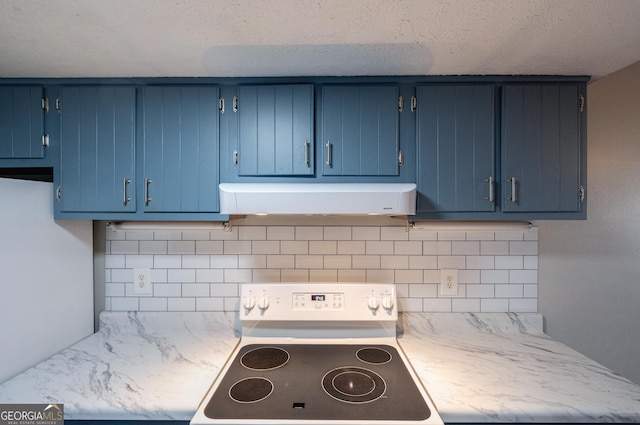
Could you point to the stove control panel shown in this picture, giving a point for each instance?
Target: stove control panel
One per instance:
(318, 301)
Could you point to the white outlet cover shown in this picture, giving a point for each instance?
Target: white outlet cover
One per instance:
(449, 282)
(142, 282)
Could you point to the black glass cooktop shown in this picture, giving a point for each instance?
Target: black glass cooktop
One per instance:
(317, 382)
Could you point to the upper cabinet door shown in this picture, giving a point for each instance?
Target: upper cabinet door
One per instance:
(275, 130)
(360, 131)
(97, 149)
(456, 148)
(21, 123)
(180, 143)
(541, 147)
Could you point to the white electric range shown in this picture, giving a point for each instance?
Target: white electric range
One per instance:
(317, 353)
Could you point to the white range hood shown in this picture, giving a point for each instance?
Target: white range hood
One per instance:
(318, 198)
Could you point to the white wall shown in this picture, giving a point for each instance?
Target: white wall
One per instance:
(46, 277)
(589, 283)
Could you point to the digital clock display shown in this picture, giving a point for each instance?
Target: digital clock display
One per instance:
(318, 297)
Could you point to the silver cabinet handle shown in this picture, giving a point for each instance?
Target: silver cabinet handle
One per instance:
(125, 198)
(235, 157)
(513, 198)
(147, 199)
(306, 152)
(490, 181)
(328, 145)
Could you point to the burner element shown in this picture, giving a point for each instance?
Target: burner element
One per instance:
(251, 390)
(265, 358)
(353, 385)
(373, 355)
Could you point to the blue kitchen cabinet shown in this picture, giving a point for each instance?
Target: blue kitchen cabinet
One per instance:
(275, 130)
(96, 172)
(179, 145)
(542, 148)
(22, 134)
(360, 130)
(456, 148)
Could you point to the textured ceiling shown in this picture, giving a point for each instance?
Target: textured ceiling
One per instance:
(156, 38)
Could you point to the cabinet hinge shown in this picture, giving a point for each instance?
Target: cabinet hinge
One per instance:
(400, 103)
(58, 105)
(414, 103)
(400, 158)
(58, 193)
(235, 104)
(581, 193)
(221, 105)
(45, 140)
(581, 104)
(45, 104)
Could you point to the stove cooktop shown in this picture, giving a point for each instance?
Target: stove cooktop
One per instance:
(317, 382)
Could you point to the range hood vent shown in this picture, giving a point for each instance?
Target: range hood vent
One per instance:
(318, 198)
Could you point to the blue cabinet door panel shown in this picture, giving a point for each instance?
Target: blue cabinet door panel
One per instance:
(275, 130)
(21, 123)
(541, 148)
(97, 149)
(180, 145)
(456, 148)
(360, 130)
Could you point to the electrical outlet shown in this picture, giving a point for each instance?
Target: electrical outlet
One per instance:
(142, 282)
(448, 282)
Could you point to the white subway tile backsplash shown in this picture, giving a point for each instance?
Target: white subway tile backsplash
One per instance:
(181, 304)
(209, 247)
(265, 247)
(523, 248)
(124, 247)
(323, 247)
(237, 247)
(494, 305)
(153, 247)
(181, 247)
(201, 270)
(195, 289)
(436, 248)
(394, 262)
(281, 233)
(337, 233)
(365, 233)
(465, 305)
(252, 233)
(523, 305)
(494, 248)
(167, 261)
(309, 233)
(494, 276)
(407, 248)
(210, 304)
(480, 291)
(509, 262)
(153, 304)
(465, 248)
(379, 247)
(195, 261)
(351, 248)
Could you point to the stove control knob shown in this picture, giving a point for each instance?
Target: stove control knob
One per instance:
(249, 303)
(387, 303)
(263, 303)
(373, 303)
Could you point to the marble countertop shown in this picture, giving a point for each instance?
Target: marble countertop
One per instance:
(476, 367)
